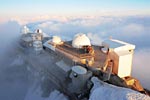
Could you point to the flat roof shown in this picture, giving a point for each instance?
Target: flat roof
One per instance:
(117, 44)
(112, 44)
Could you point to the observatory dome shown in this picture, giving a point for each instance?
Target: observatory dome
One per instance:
(79, 70)
(56, 40)
(25, 30)
(38, 31)
(81, 40)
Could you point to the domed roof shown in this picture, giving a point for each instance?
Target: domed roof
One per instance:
(81, 40)
(56, 40)
(25, 30)
(38, 31)
(79, 70)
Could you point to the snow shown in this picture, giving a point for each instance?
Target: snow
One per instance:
(104, 91)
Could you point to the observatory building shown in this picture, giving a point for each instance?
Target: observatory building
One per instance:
(77, 60)
(32, 39)
(121, 53)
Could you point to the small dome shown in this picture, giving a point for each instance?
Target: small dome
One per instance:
(25, 30)
(56, 40)
(38, 31)
(79, 70)
(81, 40)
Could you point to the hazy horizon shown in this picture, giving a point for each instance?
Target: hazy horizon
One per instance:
(44, 9)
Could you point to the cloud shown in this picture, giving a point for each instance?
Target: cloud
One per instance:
(124, 28)
(50, 26)
(95, 38)
(141, 66)
(133, 29)
(9, 32)
(85, 22)
(13, 72)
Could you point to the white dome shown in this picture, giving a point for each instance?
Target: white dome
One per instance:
(25, 30)
(79, 70)
(81, 40)
(38, 31)
(56, 40)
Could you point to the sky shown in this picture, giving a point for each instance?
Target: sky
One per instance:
(24, 8)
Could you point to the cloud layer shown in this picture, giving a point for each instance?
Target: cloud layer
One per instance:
(9, 32)
(141, 66)
(133, 29)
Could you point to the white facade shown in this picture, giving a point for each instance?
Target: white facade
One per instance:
(81, 40)
(121, 53)
(125, 65)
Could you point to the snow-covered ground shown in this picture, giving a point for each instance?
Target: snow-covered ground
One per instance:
(104, 91)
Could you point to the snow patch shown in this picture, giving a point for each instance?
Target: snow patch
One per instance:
(104, 91)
